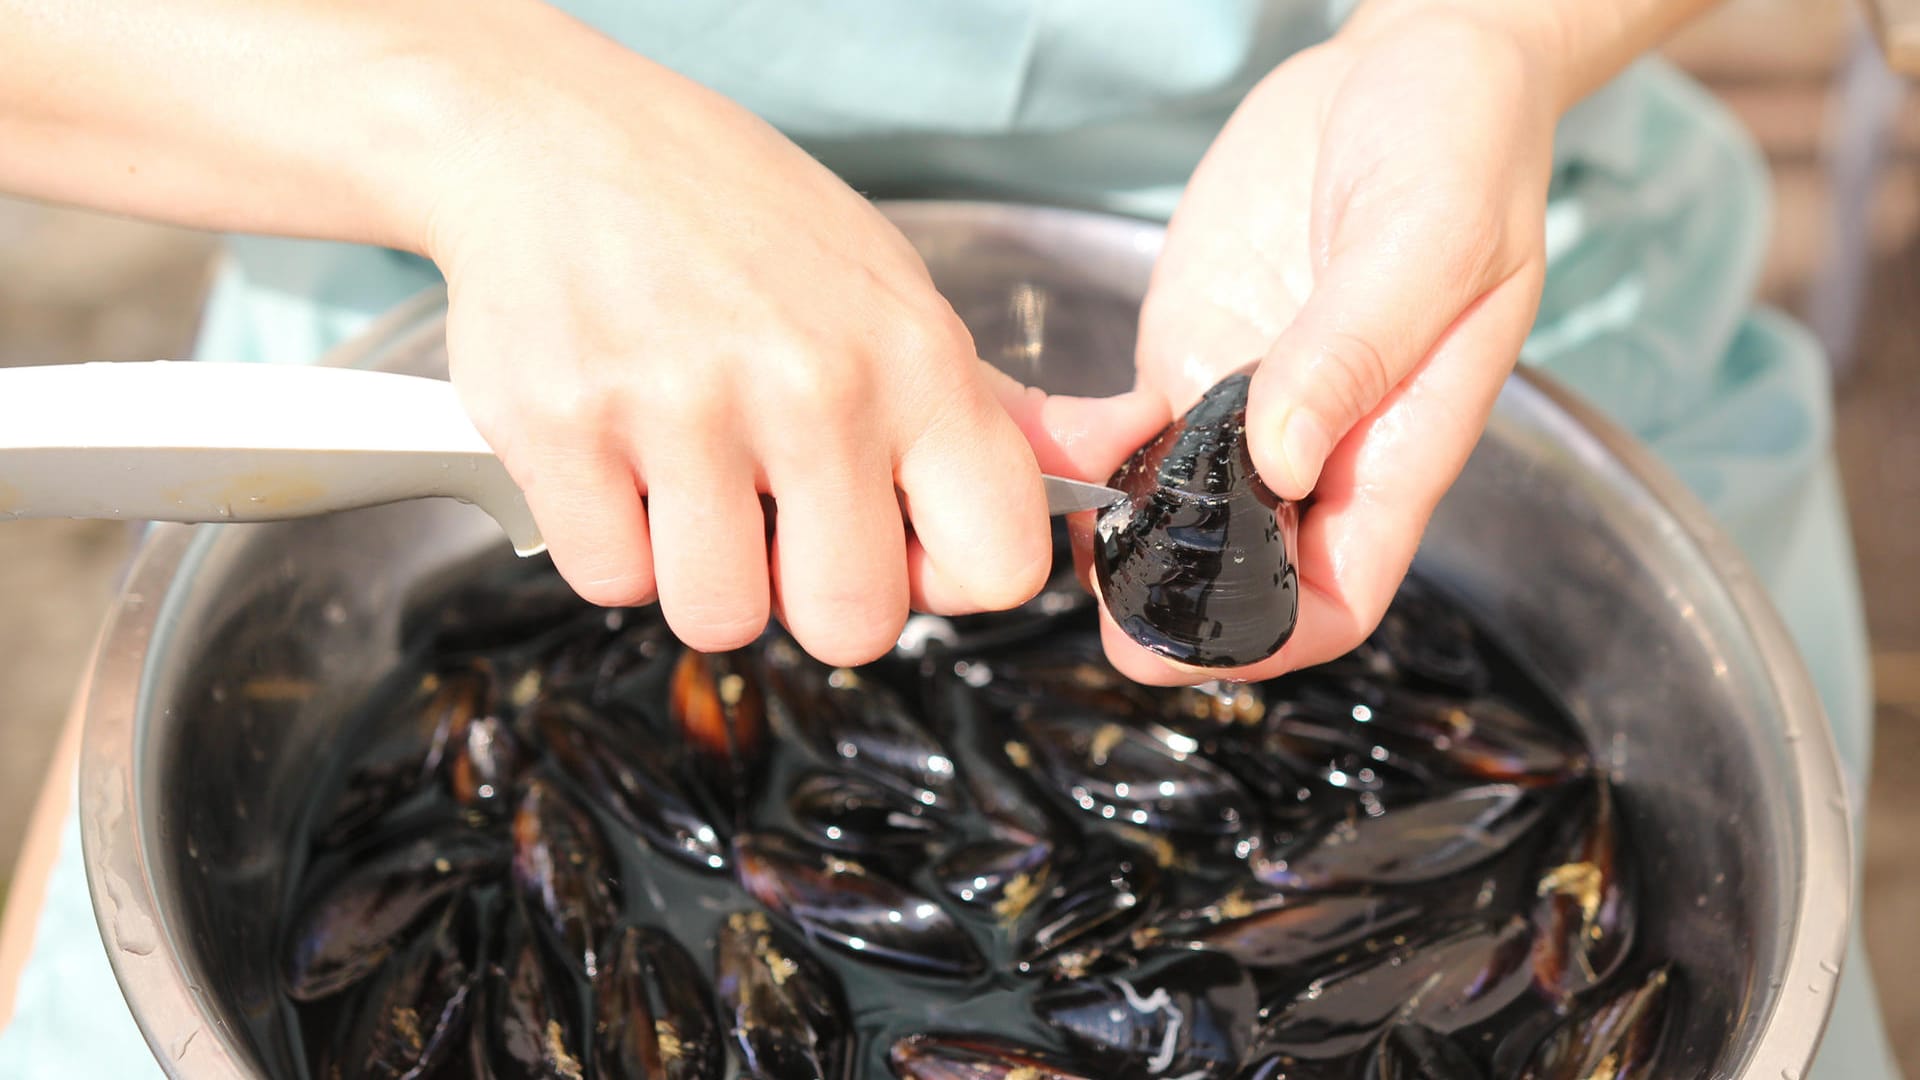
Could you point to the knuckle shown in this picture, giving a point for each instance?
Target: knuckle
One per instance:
(933, 331)
(810, 386)
(687, 393)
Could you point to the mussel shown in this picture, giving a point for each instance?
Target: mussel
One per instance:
(716, 704)
(630, 780)
(1284, 930)
(655, 1018)
(1004, 875)
(1584, 914)
(1616, 1038)
(841, 903)
(1090, 906)
(565, 872)
(1413, 1052)
(846, 813)
(415, 1015)
(1415, 843)
(788, 1017)
(1136, 775)
(353, 924)
(1165, 1012)
(946, 1057)
(531, 1030)
(1199, 563)
(858, 723)
(1456, 981)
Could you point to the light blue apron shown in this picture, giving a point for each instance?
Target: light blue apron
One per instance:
(1656, 231)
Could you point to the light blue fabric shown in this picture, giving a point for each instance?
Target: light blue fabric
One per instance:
(1657, 226)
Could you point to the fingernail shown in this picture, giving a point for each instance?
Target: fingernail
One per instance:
(1305, 444)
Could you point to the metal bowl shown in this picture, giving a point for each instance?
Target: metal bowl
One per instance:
(232, 650)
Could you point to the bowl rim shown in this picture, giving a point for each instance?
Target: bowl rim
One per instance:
(188, 1038)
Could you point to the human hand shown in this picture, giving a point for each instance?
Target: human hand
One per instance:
(660, 309)
(1370, 226)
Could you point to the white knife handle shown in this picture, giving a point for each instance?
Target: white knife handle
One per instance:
(194, 441)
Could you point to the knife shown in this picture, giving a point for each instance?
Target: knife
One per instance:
(193, 441)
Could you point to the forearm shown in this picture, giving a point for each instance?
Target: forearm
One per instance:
(332, 119)
(1587, 42)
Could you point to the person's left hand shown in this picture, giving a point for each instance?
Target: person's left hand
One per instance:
(1370, 226)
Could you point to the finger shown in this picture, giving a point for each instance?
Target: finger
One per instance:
(971, 488)
(839, 548)
(709, 536)
(583, 494)
(1374, 314)
(1078, 437)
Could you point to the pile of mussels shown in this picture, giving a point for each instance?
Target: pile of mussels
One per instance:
(574, 848)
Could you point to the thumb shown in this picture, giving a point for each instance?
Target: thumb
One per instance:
(1078, 437)
(1373, 316)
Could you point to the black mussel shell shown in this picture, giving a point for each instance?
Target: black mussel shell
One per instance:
(841, 903)
(788, 1017)
(1286, 930)
(482, 769)
(1584, 915)
(1139, 776)
(1057, 677)
(974, 1057)
(655, 1017)
(409, 750)
(1091, 905)
(350, 927)
(1318, 737)
(1168, 1011)
(847, 813)
(1454, 982)
(860, 724)
(1287, 1067)
(1412, 1052)
(1484, 738)
(415, 1015)
(631, 780)
(566, 873)
(1199, 563)
(1616, 1038)
(531, 1030)
(626, 652)
(1406, 845)
(478, 605)
(1003, 875)
(1425, 640)
(718, 707)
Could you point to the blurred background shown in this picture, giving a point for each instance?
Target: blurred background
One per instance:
(1845, 254)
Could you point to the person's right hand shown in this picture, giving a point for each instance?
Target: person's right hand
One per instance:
(660, 308)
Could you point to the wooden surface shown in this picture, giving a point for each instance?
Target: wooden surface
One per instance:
(28, 890)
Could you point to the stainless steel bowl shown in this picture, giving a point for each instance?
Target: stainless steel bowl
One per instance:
(230, 652)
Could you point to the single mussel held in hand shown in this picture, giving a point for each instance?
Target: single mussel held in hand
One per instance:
(864, 725)
(1616, 1038)
(1283, 930)
(355, 922)
(841, 903)
(1406, 845)
(1166, 1012)
(974, 1057)
(846, 813)
(630, 780)
(1412, 1052)
(1584, 914)
(1450, 983)
(1199, 563)
(788, 1017)
(565, 872)
(654, 1013)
